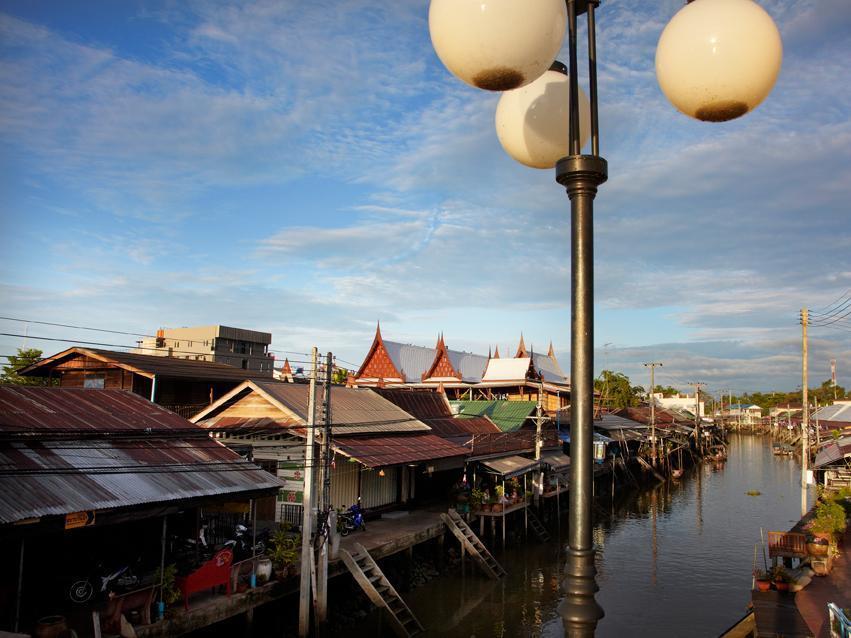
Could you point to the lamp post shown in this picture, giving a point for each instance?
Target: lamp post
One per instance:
(716, 60)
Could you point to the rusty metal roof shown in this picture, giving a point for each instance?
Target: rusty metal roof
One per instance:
(353, 410)
(33, 408)
(47, 473)
(433, 409)
(397, 449)
(148, 365)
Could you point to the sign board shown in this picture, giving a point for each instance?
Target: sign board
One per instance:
(79, 519)
(292, 474)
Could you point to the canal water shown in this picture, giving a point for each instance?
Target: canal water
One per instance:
(674, 560)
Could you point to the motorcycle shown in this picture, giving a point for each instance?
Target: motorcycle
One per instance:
(101, 582)
(241, 542)
(351, 520)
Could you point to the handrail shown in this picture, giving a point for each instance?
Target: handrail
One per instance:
(787, 544)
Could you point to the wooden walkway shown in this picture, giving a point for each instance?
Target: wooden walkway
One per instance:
(834, 588)
(805, 613)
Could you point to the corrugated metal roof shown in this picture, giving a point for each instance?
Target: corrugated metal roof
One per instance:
(834, 451)
(353, 410)
(550, 369)
(411, 361)
(615, 422)
(433, 409)
(377, 451)
(45, 475)
(470, 366)
(510, 465)
(836, 412)
(148, 365)
(37, 409)
(507, 415)
(558, 461)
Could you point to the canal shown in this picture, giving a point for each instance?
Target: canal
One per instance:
(674, 560)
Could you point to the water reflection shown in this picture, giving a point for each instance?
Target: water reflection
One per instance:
(674, 559)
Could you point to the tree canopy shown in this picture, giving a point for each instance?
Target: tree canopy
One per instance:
(21, 360)
(617, 390)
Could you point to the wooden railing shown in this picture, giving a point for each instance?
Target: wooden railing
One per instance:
(787, 544)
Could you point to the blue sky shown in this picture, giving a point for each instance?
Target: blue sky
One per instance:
(311, 168)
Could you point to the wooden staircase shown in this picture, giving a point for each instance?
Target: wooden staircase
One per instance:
(537, 526)
(375, 585)
(476, 548)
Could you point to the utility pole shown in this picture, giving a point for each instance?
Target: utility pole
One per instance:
(325, 530)
(805, 415)
(307, 504)
(697, 441)
(833, 377)
(652, 365)
(539, 442)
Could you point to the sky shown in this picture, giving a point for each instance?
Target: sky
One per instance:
(310, 168)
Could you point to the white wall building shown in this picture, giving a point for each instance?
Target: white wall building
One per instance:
(678, 402)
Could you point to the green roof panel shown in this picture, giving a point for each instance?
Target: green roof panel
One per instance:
(507, 415)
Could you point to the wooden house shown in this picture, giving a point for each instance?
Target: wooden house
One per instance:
(378, 449)
(182, 385)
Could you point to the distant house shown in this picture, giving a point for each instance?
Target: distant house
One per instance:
(678, 402)
(833, 416)
(381, 453)
(182, 385)
(237, 347)
(745, 413)
(464, 375)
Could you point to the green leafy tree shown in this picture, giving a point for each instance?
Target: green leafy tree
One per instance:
(22, 360)
(617, 390)
(339, 376)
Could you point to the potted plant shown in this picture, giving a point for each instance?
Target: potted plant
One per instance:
(780, 579)
(284, 552)
(499, 495)
(762, 579)
(476, 498)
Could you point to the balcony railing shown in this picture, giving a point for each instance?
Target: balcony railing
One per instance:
(787, 544)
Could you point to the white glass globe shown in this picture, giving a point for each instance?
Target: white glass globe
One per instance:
(718, 59)
(532, 122)
(497, 45)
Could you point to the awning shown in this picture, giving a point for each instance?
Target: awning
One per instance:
(564, 435)
(510, 466)
(396, 449)
(558, 461)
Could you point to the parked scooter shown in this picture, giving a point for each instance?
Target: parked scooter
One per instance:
(351, 520)
(241, 542)
(101, 582)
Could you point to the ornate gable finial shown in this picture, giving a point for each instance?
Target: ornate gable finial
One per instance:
(496, 352)
(286, 369)
(489, 353)
(521, 348)
(551, 353)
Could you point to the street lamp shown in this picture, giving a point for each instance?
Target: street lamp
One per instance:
(510, 45)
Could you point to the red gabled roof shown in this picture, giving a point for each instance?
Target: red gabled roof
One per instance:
(377, 363)
(442, 365)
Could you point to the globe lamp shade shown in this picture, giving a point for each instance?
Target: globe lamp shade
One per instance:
(718, 59)
(497, 45)
(532, 122)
